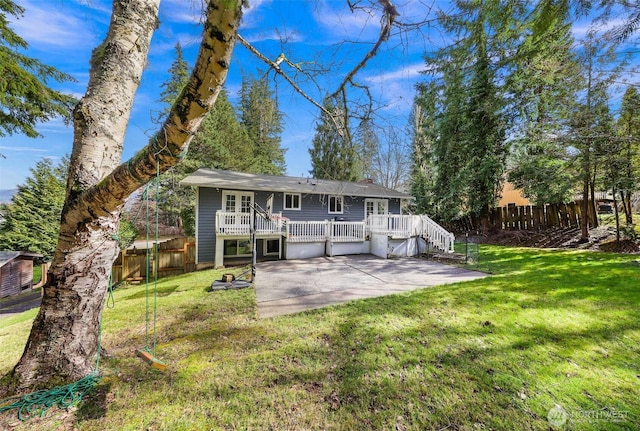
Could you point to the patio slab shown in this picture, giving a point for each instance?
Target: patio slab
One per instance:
(291, 286)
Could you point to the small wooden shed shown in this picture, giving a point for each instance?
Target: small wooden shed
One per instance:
(16, 272)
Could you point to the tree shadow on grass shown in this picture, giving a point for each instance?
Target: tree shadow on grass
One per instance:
(94, 406)
(161, 291)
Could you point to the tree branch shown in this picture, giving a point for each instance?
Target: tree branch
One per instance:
(388, 17)
(275, 65)
(169, 145)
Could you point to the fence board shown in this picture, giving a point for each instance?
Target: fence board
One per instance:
(173, 257)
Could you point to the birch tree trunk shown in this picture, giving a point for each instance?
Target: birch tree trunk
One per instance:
(63, 341)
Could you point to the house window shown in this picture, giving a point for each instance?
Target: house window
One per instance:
(237, 247)
(335, 204)
(271, 247)
(376, 206)
(230, 204)
(237, 202)
(292, 201)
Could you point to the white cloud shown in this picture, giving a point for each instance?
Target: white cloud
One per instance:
(252, 15)
(409, 72)
(23, 149)
(289, 37)
(342, 24)
(45, 24)
(580, 30)
(182, 11)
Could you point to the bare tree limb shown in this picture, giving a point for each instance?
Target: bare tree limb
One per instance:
(276, 66)
(388, 17)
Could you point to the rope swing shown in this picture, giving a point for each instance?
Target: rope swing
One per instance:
(39, 402)
(148, 352)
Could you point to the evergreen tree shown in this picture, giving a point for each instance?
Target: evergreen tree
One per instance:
(590, 120)
(221, 142)
(25, 97)
(368, 145)
(544, 84)
(178, 79)
(424, 135)
(486, 127)
(261, 117)
(469, 145)
(332, 154)
(32, 218)
(628, 131)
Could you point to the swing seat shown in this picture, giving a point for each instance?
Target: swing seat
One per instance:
(151, 360)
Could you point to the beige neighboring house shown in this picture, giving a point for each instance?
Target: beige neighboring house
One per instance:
(511, 195)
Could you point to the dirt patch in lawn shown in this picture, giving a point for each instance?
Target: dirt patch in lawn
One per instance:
(600, 239)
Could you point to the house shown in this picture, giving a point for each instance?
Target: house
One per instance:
(16, 272)
(308, 217)
(511, 195)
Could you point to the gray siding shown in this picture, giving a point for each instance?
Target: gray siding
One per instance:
(209, 201)
(314, 208)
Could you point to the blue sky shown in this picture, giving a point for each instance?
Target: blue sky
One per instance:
(62, 33)
(319, 33)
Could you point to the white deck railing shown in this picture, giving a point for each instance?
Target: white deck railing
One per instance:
(306, 231)
(437, 235)
(240, 224)
(401, 226)
(396, 226)
(318, 231)
(347, 231)
(405, 226)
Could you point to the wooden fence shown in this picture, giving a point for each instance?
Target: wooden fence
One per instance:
(176, 256)
(527, 217)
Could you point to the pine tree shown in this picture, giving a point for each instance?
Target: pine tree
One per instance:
(368, 145)
(332, 153)
(221, 142)
(544, 84)
(588, 120)
(25, 97)
(469, 146)
(178, 79)
(424, 135)
(628, 131)
(486, 127)
(32, 218)
(261, 117)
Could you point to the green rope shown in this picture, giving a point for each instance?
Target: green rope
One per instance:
(150, 345)
(156, 259)
(37, 403)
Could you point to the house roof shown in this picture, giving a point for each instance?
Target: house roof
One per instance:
(8, 256)
(272, 183)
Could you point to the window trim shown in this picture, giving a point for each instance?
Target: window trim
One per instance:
(237, 241)
(264, 247)
(336, 198)
(284, 201)
(238, 194)
(375, 203)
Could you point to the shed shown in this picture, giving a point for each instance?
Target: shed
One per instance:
(16, 272)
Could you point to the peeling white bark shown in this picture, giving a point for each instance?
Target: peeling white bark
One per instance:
(64, 337)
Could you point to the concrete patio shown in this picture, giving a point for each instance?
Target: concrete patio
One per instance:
(291, 286)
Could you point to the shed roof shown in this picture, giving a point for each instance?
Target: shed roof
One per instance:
(8, 256)
(272, 183)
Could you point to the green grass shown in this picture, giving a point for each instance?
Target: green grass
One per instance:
(549, 328)
(37, 273)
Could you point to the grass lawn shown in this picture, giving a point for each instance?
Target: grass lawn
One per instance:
(550, 331)
(37, 273)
